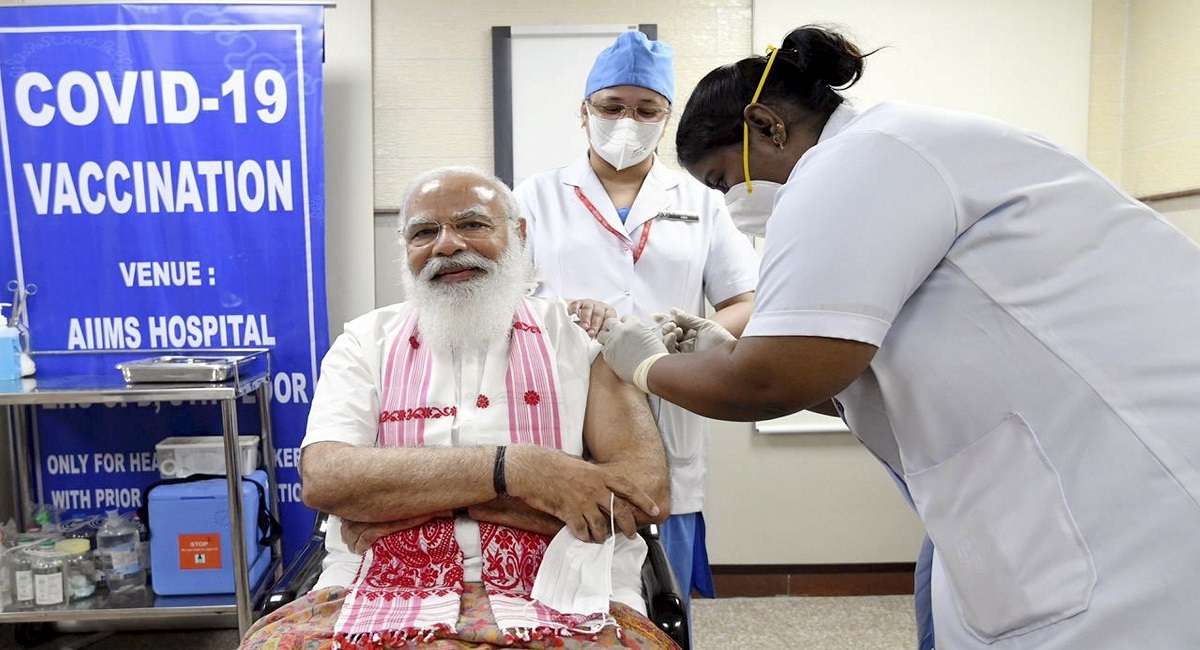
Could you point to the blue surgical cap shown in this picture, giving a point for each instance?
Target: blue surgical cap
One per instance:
(634, 60)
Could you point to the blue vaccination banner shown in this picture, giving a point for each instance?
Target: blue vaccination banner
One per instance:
(163, 188)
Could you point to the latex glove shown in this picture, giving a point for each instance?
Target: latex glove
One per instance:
(671, 332)
(627, 344)
(700, 334)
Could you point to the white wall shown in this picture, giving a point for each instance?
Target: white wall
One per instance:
(1161, 151)
(1145, 87)
(1183, 213)
(823, 498)
(1106, 114)
(1022, 61)
(349, 163)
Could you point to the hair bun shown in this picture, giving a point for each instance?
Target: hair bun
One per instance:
(825, 55)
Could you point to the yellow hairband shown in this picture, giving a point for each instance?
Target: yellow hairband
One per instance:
(771, 52)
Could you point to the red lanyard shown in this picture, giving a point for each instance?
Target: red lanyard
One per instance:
(645, 238)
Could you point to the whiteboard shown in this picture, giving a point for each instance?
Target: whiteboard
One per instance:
(549, 66)
(802, 422)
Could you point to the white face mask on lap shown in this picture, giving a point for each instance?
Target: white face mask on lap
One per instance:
(575, 576)
(751, 210)
(624, 142)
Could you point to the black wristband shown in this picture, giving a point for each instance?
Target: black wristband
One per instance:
(498, 473)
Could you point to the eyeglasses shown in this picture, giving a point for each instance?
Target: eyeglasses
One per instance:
(427, 232)
(614, 111)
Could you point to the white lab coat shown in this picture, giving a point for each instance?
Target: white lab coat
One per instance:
(1037, 382)
(683, 263)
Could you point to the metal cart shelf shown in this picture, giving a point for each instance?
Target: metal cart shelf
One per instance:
(18, 398)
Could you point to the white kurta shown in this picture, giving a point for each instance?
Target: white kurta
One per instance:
(346, 409)
(1037, 376)
(683, 263)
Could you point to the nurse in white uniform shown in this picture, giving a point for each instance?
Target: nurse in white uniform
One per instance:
(627, 233)
(996, 321)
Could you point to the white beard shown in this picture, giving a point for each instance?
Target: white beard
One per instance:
(471, 315)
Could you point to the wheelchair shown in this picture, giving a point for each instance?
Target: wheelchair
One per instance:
(664, 607)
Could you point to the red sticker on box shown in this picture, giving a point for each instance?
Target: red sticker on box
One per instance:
(201, 551)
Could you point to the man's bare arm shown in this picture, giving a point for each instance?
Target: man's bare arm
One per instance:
(620, 433)
(372, 484)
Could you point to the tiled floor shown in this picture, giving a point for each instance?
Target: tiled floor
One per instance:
(849, 623)
(846, 623)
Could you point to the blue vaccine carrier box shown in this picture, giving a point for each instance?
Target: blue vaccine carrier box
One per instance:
(191, 538)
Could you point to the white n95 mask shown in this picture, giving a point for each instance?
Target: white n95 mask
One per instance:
(624, 142)
(750, 211)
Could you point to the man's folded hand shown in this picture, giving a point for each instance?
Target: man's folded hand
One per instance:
(509, 511)
(573, 490)
(626, 519)
(360, 536)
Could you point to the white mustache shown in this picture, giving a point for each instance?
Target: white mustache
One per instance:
(457, 262)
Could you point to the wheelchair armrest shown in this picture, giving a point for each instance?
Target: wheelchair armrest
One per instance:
(663, 602)
(302, 573)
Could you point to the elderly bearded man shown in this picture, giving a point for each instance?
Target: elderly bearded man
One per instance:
(446, 437)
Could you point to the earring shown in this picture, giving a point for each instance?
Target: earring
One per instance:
(777, 135)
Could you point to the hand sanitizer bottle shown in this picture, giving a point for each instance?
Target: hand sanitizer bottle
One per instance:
(10, 348)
